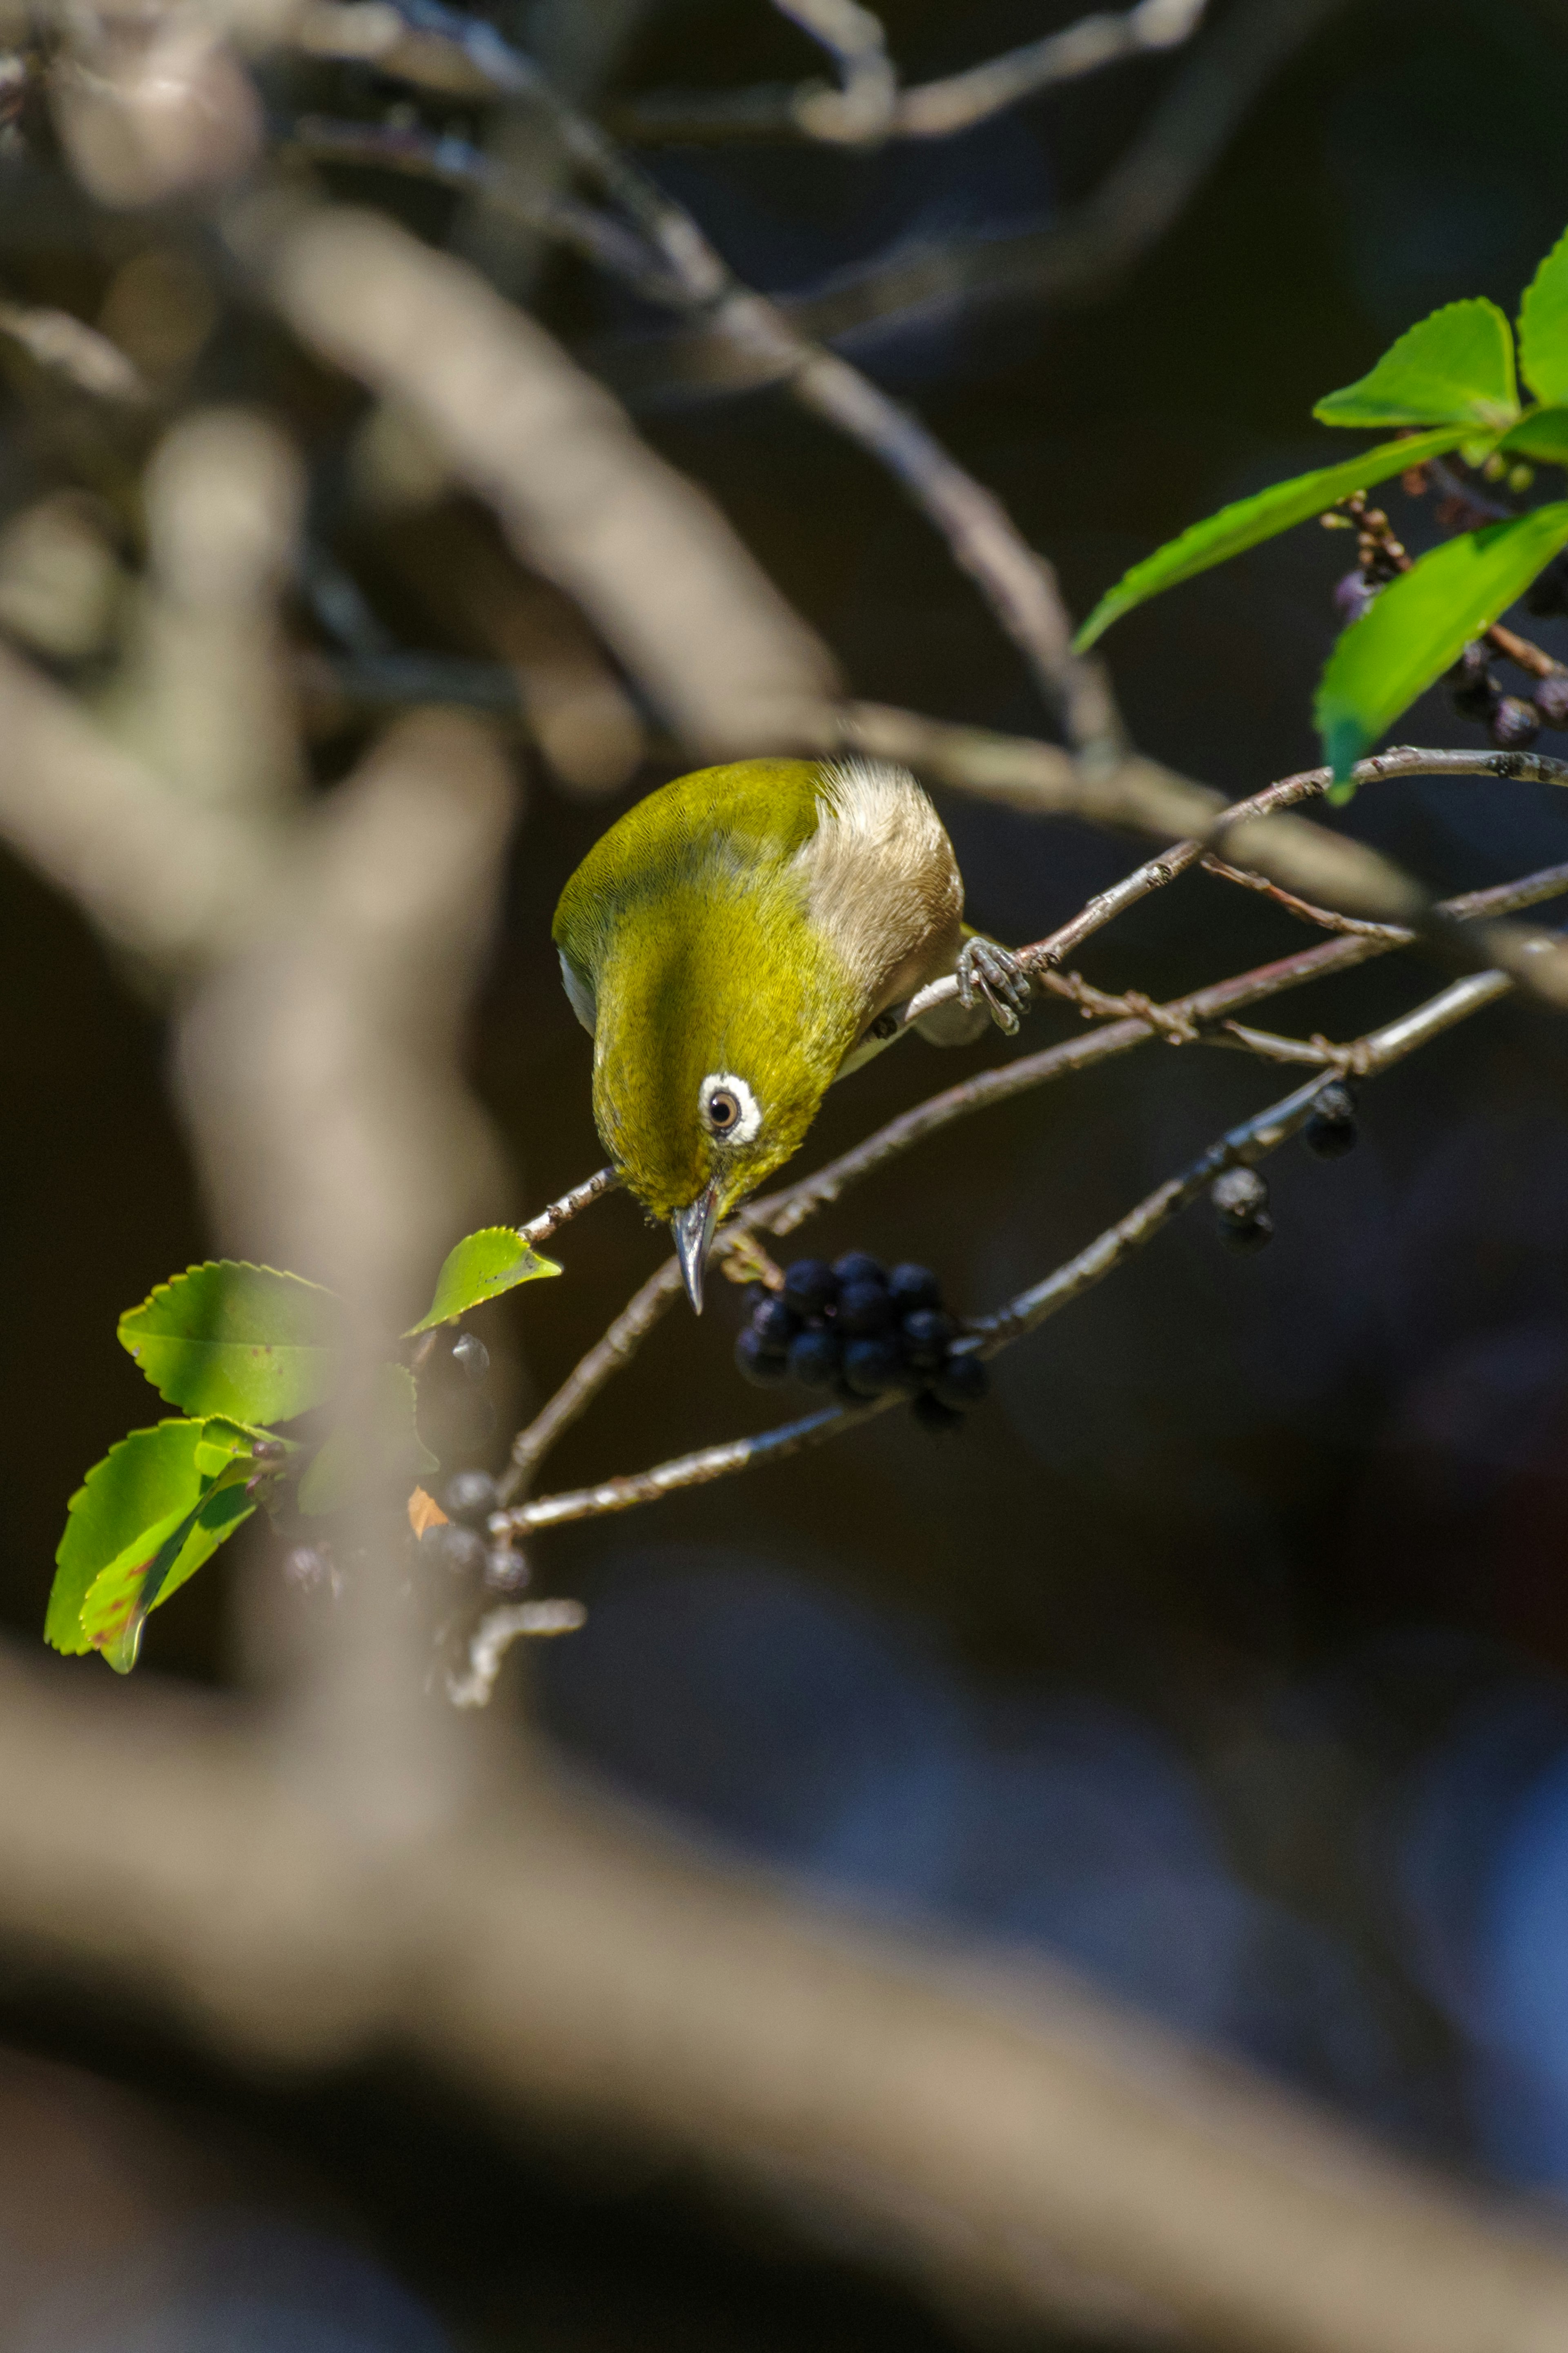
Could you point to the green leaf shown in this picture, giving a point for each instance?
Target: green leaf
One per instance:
(1542, 434)
(1248, 521)
(1455, 368)
(246, 1341)
(1422, 622)
(1543, 326)
(143, 1521)
(481, 1267)
(364, 1453)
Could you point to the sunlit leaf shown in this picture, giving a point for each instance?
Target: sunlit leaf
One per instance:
(425, 1511)
(143, 1520)
(1455, 367)
(1247, 522)
(1543, 435)
(1543, 326)
(481, 1267)
(375, 1448)
(1421, 623)
(229, 1339)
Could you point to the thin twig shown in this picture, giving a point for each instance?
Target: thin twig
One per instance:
(1324, 918)
(606, 1356)
(1251, 1141)
(560, 1213)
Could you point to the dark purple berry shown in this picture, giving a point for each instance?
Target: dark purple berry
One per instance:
(469, 1497)
(932, 1414)
(764, 1368)
(962, 1382)
(911, 1287)
(1332, 1130)
(1551, 698)
(858, 1266)
(927, 1334)
(871, 1366)
(810, 1286)
(1352, 595)
(773, 1325)
(863, 1307)
(814, 1358)
(1514, 723)
(471, 1356)
(460, 1551)
(1472, 689)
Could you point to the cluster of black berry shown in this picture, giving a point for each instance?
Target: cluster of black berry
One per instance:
(855, 1329)
(1240, 1197)
(1512, 722)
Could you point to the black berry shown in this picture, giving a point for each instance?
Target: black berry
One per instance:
(911, 1287)
(764, 1368)
(962, 1382)
(1514, 723)
(773, 1325)
(1473, 691)
(460, 1551)
(933, 1415)
(871, 1366)
(1551, 698)
(864, 1307)
(927, 1334)
(810, 1286)
(469, 1497)
(472, 1354)
(1332, 1130)
(814, 1358)
(858, 1266)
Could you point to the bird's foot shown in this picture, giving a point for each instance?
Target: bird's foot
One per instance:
(997, 978)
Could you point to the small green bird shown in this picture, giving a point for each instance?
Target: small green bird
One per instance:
(739, 940)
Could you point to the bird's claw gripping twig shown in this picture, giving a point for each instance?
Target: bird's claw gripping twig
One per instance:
(997, 978)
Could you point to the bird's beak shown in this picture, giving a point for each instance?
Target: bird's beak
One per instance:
(693, 1231)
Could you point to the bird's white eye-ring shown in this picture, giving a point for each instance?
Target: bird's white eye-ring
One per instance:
(730, 1109)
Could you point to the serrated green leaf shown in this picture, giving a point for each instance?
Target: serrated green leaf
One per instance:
(1422, 622)
(1542, 435)
(1543, 326)
(121, 1598)
(1247, 522)
(244, 1341)
(123, 1523)
(365, 1453)
(481, 1267)
(1454, 368)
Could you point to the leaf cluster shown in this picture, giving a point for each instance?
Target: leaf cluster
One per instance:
(1449, 383)
(241, 1349)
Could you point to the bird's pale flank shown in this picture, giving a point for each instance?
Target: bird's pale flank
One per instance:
(735, 942)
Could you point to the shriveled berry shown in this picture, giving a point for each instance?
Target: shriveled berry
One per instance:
(470, 1353)
(814, 1358)
(773, 1325)
(810, 1286)
(962, 1382)
(1514, 723)
(864, 1307)
(931, 1414)
(764, 1368)
(910, 1287)
(927, 1336)
(1332, 1130)
(1551, 698)
(860, 1266)
(871, 1365)
(469, 1496)
(1353, 595)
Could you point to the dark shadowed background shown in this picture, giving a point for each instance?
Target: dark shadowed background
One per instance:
(1224, 1655)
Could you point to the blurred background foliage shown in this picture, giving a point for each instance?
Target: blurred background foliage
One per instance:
(1224, 1656)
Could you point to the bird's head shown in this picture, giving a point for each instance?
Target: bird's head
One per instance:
(714, 1044)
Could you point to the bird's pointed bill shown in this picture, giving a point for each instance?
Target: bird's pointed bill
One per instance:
(693, 1231)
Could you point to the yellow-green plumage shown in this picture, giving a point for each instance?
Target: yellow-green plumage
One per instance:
(754, 921)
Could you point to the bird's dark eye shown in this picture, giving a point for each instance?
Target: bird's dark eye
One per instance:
(730, 1109)
(884, 1025)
